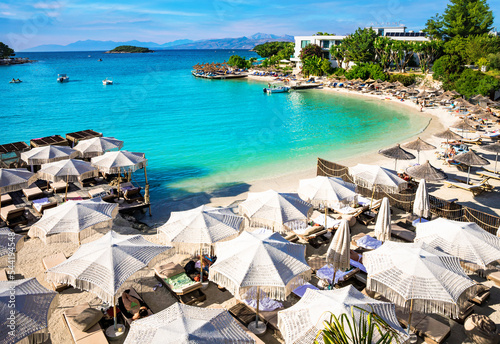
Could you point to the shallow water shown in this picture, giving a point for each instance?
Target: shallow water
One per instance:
(199, 135)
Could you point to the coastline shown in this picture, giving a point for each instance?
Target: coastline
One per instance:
(439, 120)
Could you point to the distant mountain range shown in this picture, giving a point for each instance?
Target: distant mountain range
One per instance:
(223, 43)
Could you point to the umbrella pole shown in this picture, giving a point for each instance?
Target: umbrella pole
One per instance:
(468, 174)
(409, 316)
(373, 193)
(257, 313)
(496, 159)
(395, 164)
(326, 215)
(333, 279)
(201, 264)
(147, 190)
(67, 185)
(115, 322)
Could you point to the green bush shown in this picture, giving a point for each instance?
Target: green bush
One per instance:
(473, 82)
(366, 71)
(406, 80)
(238, 61)
(494, 60)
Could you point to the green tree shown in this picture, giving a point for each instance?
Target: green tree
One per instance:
(5, 51)
(365, 71)
(310, 50)
(461, 18)
(312, 65)
(273, 48)
(238, 61)
(404, 53)
(427, 52)
(383, 48)
(447, 69)
(326, 66)
(360, 45)
(473, 82)
(494, 60)
(339, 52)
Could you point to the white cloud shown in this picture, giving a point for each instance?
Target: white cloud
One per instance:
(7, 13)
(48, 5)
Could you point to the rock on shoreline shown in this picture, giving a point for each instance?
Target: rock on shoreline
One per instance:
(17, 60)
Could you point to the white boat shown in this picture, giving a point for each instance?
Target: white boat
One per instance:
(107, 82)
(62, 78)
(276, 88)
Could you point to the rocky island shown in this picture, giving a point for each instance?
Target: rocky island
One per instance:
(129, 49)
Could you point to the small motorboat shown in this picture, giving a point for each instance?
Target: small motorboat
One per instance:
(62, 78)
(100, 60)
(276, 88)
(107, 82)
(15, 81)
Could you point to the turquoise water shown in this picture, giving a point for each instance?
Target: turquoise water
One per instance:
(199, 135)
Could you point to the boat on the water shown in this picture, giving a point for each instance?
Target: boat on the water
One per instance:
(15, 81)
(99, 60)
(276, 88)
(107, 82)
(62, 78)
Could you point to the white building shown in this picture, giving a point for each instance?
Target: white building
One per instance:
(325, 42)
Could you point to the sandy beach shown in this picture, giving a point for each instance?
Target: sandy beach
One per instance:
(29, 260)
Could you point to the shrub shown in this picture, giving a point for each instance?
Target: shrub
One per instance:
(406, 80)
(366, 71)
(473, 82)
(494, 60)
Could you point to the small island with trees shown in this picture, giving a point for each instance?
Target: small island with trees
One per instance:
(129, 49)
(6, 54)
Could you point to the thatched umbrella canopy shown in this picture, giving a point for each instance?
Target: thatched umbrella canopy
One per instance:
(396, 153)
(464, 124)
(418, 145)
(462, 102)
(426, 171)
(369, 81)
(448, 135)
(423, 94)
(398, 84)
(485, 115)
(432, 90)
(359, 80)
(411, 90)
(495, 148)
(379, 81)
(470, 158)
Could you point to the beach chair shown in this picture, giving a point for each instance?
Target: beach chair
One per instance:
(58, 187)
(94, 335)
(97, 192)
(133, 292)
(13, 216)
(40, 207)
(489, 175)
(476, 189)
(476, 141)
(6, 200)
(33, 192)
(402, 233)
(75, 196)
(179, 285)
(50, 262)
(133, 195)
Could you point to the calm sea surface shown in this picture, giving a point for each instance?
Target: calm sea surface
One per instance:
(199, 135)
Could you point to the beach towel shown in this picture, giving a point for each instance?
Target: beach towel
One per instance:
(301, 290)
(265, 304)
(357, 264)
(368, 242)
(38, 203)
(326, 273)
(331, 222)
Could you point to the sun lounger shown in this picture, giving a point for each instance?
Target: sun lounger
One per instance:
(33, 192)
(40, 205)
(182, 287)
(13, 216)
(476, 141)
(133, 195)
(94, 335)
(75, 196)
(97, 192)
(475, 189)
(50, 262)
(6, 200)
(133, 292)
(58, 187)
(301, 290)
(372, 243)
(489, 175)
(402, 234)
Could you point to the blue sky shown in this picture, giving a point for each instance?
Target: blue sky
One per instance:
(28, 23)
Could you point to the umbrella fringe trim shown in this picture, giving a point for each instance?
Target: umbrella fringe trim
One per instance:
(64, 237)
(274, 292)
(71, 178)
(424, 305)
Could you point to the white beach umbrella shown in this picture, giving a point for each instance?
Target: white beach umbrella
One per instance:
(117, 162)
(97, 146)
(197, 230)
(301, 323)
(10, 242)
(383, 224)
(14, 179)
(46, 154)
(338, 253)
(74, 221)
(419, 278)
(183, 324)
(421, 205)
(274, 210)
(263, 260)
(29, 313)
(466, 240)
(326, 191)
(373, 176)
(103, 265)
(70, 170)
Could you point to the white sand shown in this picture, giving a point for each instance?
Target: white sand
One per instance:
(29, 259)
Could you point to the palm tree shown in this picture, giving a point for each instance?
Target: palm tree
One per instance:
(365, 329)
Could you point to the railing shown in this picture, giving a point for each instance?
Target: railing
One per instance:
(439, 207)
